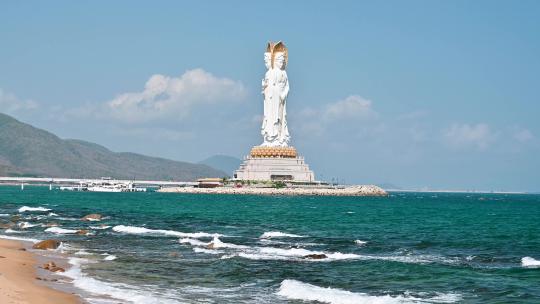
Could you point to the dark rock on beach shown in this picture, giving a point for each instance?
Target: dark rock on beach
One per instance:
(47, 244)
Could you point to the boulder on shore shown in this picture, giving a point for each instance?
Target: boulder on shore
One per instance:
(92, 217)
(47, 244)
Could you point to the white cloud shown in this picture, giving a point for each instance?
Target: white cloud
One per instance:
(478, 136)
(165, 97)
(523, 135)
(9, 103)
(350, 111)
(353, 106)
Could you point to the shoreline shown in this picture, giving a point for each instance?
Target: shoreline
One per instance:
(361, 190)
(19, 275)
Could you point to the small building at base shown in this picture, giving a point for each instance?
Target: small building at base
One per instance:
(274, 164)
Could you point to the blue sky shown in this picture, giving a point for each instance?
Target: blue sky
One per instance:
(419, 94)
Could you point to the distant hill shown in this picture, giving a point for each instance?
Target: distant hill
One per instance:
(29, 151)
(224, 163)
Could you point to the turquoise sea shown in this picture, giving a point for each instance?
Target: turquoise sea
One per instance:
(189, 248)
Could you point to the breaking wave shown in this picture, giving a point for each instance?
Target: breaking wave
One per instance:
(118, 291)
(530, 262)
(278, 234)
(8, 237)
(143, 230)
(25, 225)
(296, 290)
(110, 258)
(360, 242)
(13, 231)
(59, 230)
(30, 209)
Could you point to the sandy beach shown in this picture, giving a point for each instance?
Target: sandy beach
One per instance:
(18, 278)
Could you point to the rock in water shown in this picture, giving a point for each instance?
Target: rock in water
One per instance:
(51, 266)
(47, 244)
(83, 232)
(7, 225)
(92, 217)
(315, 256)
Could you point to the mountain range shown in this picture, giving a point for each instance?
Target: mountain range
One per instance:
(29, 151)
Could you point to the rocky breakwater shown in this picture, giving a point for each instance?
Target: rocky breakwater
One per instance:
(360, 190)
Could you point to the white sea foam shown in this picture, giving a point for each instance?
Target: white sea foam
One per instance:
(530, 262)
(25, 225)
(192, 242)
(52, 214)
(122, 292)
(30, 209)
(296, 290)
(270, 253)
(110, 258)
(15, 238)
(59, 230)
(209, 251)
(278, 234)
(100, 227)
(82, 252)
(217, 243)
(4, 214)
(143, 230)
(360, 242)
(13, 231)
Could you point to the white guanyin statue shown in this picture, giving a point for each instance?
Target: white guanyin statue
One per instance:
(275, 88)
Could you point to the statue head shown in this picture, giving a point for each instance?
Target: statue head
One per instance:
(279, 60)
(276, 50)
(268, 60)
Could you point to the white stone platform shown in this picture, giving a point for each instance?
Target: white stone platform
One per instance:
(270, 168)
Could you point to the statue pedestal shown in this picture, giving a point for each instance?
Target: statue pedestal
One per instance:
(274, 164)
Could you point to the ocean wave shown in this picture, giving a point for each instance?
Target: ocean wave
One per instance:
(52, 214)
(278, 234)
(25, 225)
(15, 238)
(100, 227)
(360, 242)
(30, 209)
(271, 253)
(217, 243)
(4, 214)
(192, 242)
(143, 230)
(296, 290)
(13, 231)
(301, 254)
(110, 257)
(208, 251)
(530, 262)
(59, 230)
(117, 291)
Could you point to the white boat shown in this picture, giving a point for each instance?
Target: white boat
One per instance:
(105, 185)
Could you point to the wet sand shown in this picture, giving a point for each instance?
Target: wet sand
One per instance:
(18, 278)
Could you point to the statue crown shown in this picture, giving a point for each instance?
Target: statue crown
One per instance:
(277, 47)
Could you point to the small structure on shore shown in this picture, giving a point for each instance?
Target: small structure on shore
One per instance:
(210, 182)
